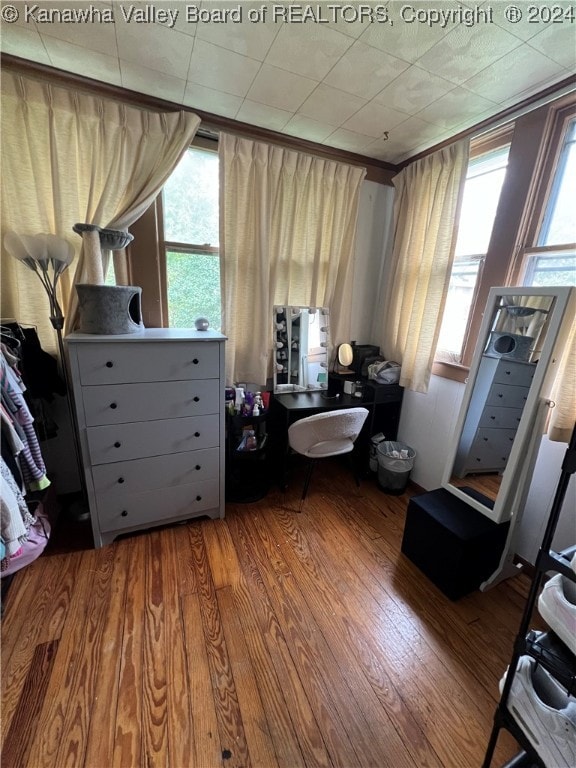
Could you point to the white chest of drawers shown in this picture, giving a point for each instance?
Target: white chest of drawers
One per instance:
(150, 410)
(500, 393)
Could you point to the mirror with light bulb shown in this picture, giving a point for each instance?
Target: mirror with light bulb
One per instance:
(506, 397)
(301, 337)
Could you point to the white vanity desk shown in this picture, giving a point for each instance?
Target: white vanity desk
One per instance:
(150, 411)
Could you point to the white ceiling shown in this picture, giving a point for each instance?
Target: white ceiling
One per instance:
(338, 80)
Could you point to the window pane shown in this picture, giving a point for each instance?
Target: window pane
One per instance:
(458, 303)
(481, 194)
(559, 225)
(193, 288)
(190, 200)
(484, 181)
(551, 269)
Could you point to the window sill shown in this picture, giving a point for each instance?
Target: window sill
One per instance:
(453, 371)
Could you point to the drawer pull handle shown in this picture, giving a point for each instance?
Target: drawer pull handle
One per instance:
(197, 467)
(195, 361)
(485, 439)
(508, 373)
(196, 434)
(124, 513)
(120, 480)
(109, 364)
(492, 417)
(113, 406)
(198, 498)
(500, 394)
(196, 399)
(117, 444)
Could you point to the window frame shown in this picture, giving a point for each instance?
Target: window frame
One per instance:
(536, 144)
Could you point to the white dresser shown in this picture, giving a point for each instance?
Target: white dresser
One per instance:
(500, 393)
(150, 409)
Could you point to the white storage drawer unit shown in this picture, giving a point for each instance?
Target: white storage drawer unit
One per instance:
(494, 413)
(150, 410)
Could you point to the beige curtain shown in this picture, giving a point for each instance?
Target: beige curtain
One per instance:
(563, 415)
(288, 222)
(71, 157)
(428, 195)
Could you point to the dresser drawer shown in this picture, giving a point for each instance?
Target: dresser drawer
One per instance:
(139, 475)
(120, 403)
(499, 417)
(124, 363)
(507, 396)
(121, 442)
(138, 509)
(514, 372)
(491, 448)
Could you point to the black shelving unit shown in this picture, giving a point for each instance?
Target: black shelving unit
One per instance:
(247, 474)
(544, 647)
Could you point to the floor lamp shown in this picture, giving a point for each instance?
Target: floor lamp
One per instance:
(49, 256)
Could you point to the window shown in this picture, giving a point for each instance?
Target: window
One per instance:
(533, 235)
(552, 261)
(191, 240)
(482, 189)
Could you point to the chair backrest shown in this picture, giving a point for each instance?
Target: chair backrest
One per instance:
(338, 425)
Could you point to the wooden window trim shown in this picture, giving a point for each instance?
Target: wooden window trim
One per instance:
(534, 152)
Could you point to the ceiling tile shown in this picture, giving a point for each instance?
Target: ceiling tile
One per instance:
(558, 43)
(90, 35)
(456, 107)
(24, 42)
(210, 100)
(348, 140)
(156, 47)
(139, 78)
(260, 114)
(462, 55)
(408, 40)
(364, 70)
(165, 13)
(308, 50)
(513, 74)
(413, 90)
(249, 38)
(531, 20)
(222, 70)
(95, 65)
(351, 20)
(329, 105)
(406, 139)
(279, 88)
(309, 129)
(374, 119)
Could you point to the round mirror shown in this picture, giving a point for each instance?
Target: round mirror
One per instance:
(345, 355)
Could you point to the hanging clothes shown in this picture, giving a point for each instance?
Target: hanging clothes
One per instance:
(12, 398)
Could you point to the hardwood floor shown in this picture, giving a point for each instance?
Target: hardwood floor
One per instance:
(270, 638)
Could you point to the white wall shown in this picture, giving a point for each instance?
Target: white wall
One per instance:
(373, 240)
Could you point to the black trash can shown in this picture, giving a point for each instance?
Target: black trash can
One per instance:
(395, 462)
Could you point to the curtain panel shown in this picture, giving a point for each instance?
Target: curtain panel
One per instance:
(287, 222)
(71, 157)
(426, 209)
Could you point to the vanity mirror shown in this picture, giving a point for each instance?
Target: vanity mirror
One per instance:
(300, 348)
(505, 401)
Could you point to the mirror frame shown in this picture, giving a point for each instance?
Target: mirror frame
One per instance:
(516, 476)
(291, 310)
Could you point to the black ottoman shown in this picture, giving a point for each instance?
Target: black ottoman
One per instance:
(454, 545)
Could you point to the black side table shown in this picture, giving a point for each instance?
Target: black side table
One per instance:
(247, 475)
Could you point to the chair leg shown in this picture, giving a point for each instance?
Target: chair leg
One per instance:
(353, 469)
(309, 470)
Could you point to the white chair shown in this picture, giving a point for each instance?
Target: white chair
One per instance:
(326, 434)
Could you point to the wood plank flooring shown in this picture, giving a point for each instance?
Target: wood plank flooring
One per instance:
(270, 638)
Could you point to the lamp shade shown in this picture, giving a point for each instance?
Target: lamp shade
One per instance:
(24, 247)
